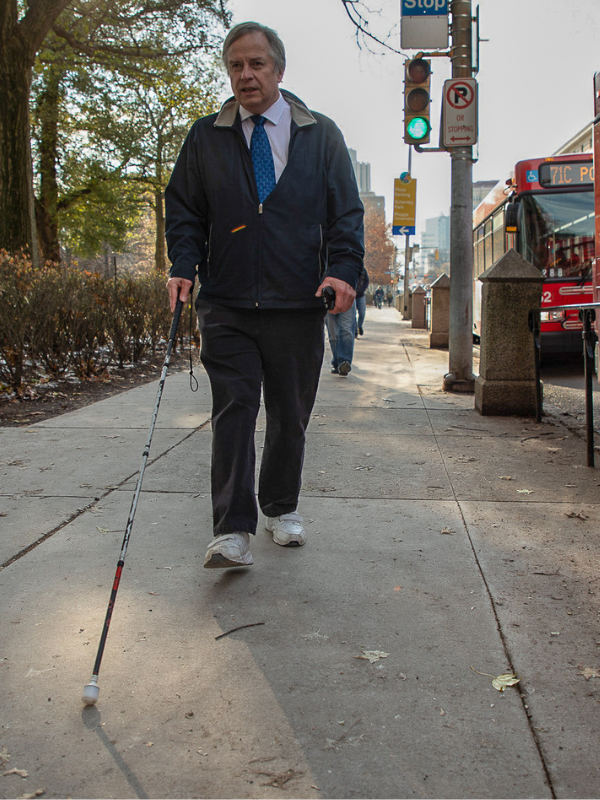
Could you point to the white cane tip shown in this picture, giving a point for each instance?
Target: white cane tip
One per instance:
(90, 694)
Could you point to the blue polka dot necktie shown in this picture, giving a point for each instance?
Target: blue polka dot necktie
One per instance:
(262, 158)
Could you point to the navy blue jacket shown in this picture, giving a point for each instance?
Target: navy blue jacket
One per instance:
(273, 255)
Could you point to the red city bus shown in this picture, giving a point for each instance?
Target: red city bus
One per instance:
(550, 205)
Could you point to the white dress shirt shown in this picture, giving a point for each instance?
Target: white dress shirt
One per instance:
(277, 126)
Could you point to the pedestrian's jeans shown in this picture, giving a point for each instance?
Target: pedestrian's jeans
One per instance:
(242, 350)
(341, 329)
(361, 310)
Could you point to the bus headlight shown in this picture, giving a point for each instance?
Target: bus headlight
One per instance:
(552, 316)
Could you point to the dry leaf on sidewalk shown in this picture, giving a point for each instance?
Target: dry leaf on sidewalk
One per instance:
(22, 773)
(279, 781)
(575, 515)
(504, 680)
(589, 672)
(372, 655)
(449, 531)
(501, 681)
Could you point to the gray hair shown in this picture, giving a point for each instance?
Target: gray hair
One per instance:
(275, 44)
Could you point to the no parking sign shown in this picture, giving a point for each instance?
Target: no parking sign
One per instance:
(460, 112)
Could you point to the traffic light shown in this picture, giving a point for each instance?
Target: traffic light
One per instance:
(417, 78)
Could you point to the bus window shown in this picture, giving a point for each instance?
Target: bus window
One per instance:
(478, 255)
(488, 246)
(559, 233)
(498, 234)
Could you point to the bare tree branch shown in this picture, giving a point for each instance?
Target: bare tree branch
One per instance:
(353, 9)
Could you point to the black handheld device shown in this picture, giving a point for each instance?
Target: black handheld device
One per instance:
(328, 298)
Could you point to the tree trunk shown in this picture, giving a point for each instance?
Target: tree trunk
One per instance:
(47, 204)
(160, 262)
(20, 40)
(15, 155)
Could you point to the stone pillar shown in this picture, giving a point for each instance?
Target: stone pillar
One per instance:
(400, 306)
(506, 384)
(419, 311)
(440, 312)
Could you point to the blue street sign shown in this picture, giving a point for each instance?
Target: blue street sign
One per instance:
(418, 8)
(403, 230)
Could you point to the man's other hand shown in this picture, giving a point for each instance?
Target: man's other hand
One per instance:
(178, 288)
(344, 294)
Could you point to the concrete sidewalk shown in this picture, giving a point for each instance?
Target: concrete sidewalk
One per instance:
(438, 537)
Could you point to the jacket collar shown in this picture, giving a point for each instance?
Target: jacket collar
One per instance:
(300, 113)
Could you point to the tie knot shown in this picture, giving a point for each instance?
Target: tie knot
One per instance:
(258, 120)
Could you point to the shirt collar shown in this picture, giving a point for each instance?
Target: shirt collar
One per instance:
(273, 114)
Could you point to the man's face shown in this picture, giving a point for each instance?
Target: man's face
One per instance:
(253, 76)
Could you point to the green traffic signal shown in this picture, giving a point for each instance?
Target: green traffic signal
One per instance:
(418, 128)
(417, 101)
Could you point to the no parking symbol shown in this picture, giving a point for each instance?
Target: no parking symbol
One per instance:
(460, 112)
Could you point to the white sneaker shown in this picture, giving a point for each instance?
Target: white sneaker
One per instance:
(229, 550)
(287, 529)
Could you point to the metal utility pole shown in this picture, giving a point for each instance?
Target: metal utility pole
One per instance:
(405, 314)
(460, 364)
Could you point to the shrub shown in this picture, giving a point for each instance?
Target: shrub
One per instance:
(17, 279)
(59, 318)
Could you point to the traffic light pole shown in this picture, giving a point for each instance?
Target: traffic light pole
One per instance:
(460, 377)
(405, 314)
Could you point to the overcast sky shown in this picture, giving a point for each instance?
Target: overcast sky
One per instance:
(535, 84)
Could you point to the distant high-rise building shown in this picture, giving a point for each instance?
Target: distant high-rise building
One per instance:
(436, 234)
(362, 170)
(434, 253)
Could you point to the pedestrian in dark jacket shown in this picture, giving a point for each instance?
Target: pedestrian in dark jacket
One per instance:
(263, 205)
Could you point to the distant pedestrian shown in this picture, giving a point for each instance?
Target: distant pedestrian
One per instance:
(378, 297)
(361, 301)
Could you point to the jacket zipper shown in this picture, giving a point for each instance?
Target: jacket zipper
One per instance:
(209, 249)
(260, 211)
(321, 258)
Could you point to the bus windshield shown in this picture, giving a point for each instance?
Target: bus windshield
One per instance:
(557, 235)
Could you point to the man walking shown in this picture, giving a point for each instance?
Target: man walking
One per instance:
(263, 203)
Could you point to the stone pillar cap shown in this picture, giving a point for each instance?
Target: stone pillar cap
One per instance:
(442, 282)
(512, 267)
